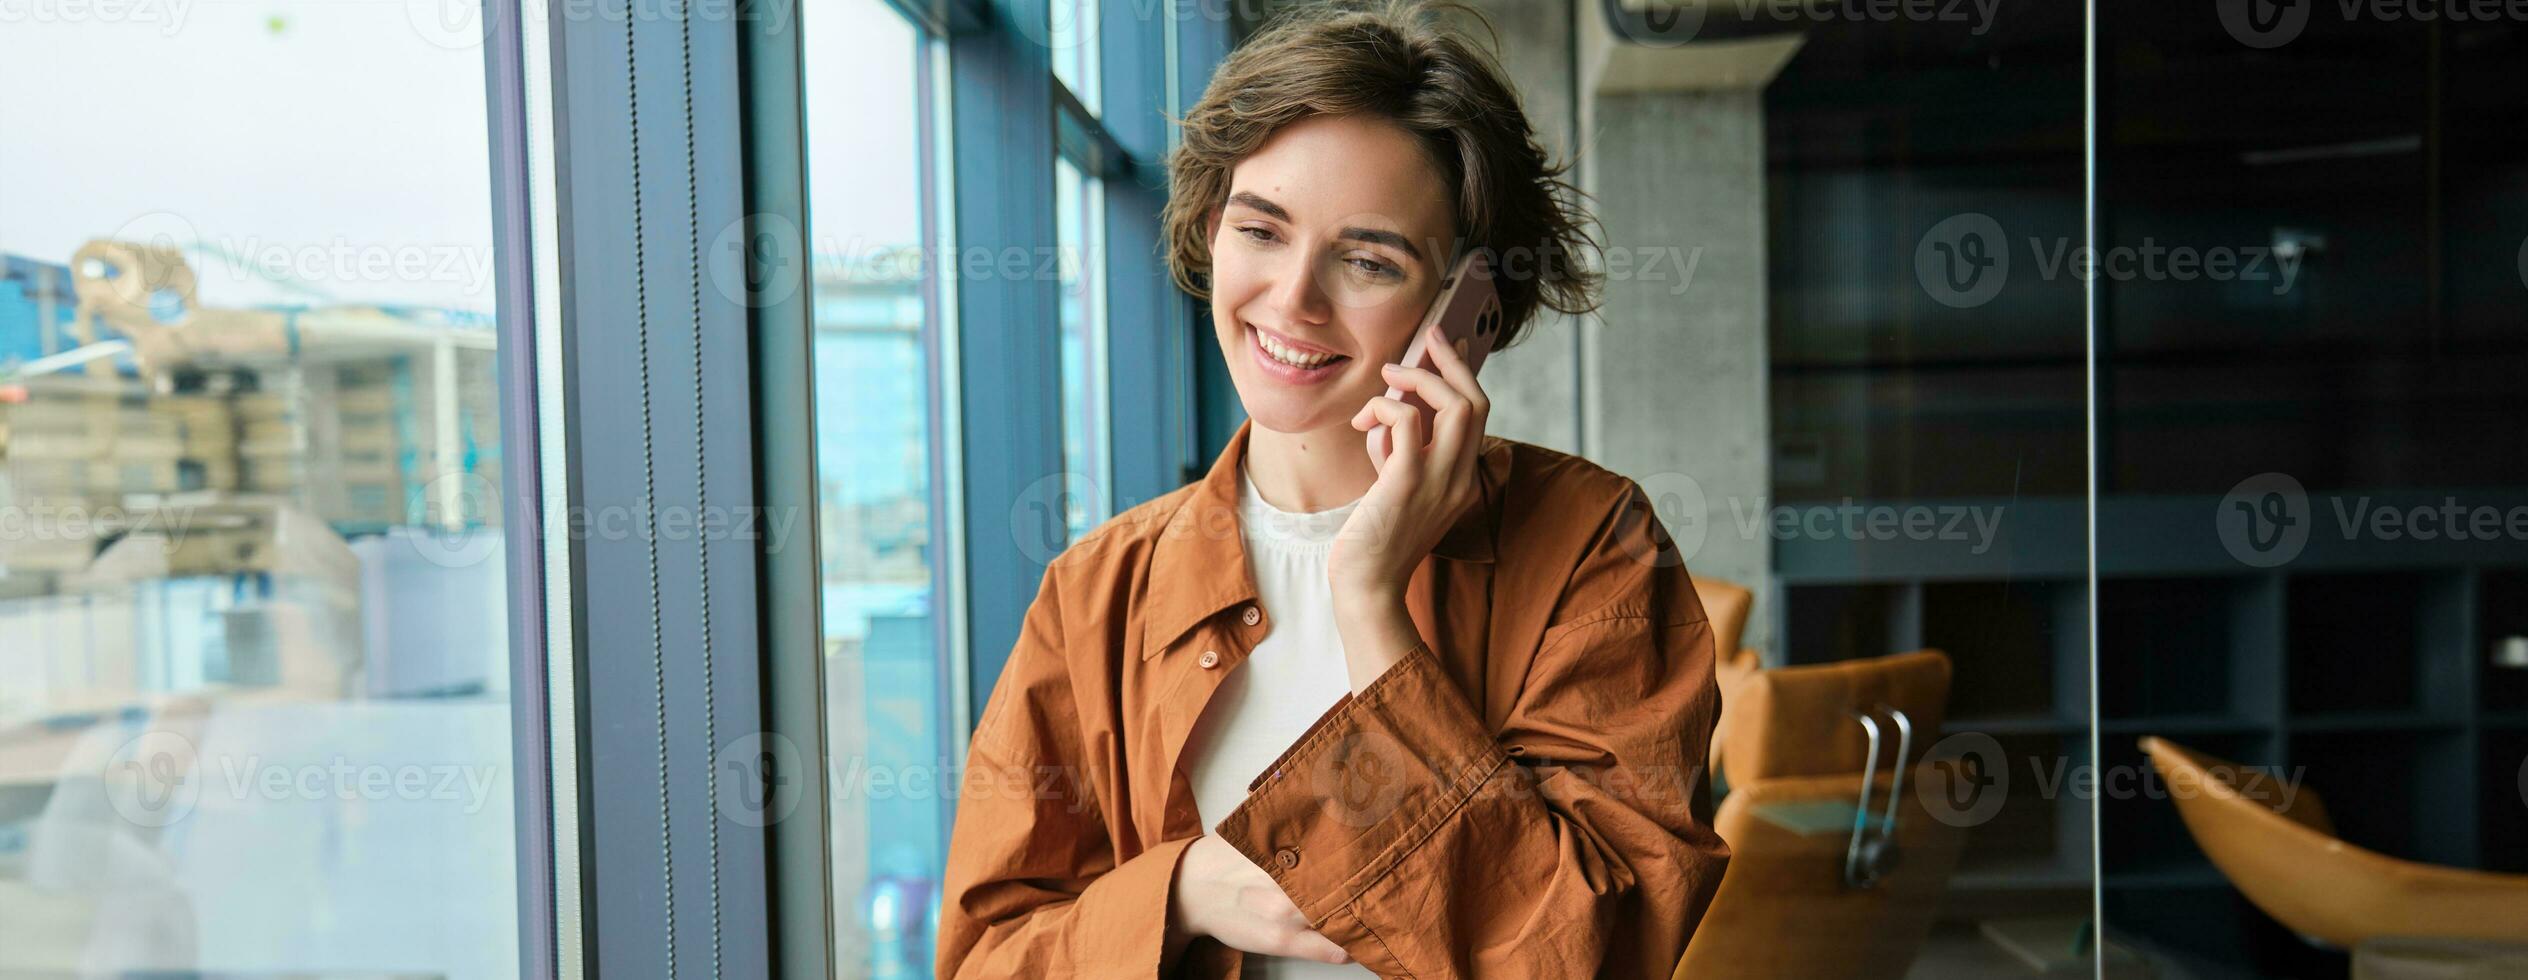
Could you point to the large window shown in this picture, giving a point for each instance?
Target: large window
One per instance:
(1078, 207)
(254, 660)
(880, 392)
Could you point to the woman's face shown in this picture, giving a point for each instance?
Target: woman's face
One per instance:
(1333, 241)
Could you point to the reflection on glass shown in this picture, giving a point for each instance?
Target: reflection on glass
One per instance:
(253, 650)
(1078, 205)
(1929, 461)
(1073, 40)
(2313, 470)
(887, 687)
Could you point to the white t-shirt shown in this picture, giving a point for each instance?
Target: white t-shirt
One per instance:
(1295, 673)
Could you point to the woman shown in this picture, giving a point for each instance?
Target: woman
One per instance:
(1318, 715)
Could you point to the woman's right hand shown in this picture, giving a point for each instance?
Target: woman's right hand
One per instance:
(1221, 894)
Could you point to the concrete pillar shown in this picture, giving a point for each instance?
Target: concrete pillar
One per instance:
(1535, 386)
(1668, 383)
(1674, 370)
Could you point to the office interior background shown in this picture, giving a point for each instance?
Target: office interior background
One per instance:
(537, 488)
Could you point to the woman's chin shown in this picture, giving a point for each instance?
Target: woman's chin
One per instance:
(1292, 415)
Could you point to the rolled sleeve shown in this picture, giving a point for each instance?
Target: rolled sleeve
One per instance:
(1352, 795)
(1575, 839)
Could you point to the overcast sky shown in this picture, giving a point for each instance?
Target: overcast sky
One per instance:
(343, 144)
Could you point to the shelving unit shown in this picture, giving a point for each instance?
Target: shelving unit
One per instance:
(2363, 668)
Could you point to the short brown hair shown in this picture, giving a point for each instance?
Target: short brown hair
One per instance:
(1388, 58)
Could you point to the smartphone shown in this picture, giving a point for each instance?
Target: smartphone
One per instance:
(1467, 309)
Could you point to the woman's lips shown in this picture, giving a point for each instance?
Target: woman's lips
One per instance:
(1286, 373)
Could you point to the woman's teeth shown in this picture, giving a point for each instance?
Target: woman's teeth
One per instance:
(1291, 356)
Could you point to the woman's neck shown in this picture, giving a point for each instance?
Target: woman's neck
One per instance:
(1304, 472)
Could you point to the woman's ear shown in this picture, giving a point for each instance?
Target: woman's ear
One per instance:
(1211, 230)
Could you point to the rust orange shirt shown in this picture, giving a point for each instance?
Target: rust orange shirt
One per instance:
(1522, 796)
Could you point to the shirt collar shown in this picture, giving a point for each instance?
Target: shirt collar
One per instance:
(1199, 566)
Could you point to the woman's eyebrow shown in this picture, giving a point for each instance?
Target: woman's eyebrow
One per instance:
(1270, 209)
(1380, 236)
(1374, 236)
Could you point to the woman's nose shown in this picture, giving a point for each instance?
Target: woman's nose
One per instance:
(1298, 294)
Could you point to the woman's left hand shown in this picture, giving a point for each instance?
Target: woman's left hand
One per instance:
(1421, 491)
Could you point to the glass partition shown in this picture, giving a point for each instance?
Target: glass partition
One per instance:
(2312, 462)
(880, 393)
(254, 644)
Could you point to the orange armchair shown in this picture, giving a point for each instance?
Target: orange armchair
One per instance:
(1808, 894)
(2280, 850)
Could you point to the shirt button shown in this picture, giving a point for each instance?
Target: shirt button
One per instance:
(1210, 659)
(1287, 858)
(1252, 616)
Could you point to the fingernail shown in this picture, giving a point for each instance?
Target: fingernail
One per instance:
(1383, 368)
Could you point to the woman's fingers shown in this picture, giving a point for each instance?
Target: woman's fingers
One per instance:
(1453, 369)
(1453, 411)
(1404, 432)
(1310, 944)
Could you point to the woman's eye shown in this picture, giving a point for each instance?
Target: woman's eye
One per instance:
(1373, 267)
(1256, 234)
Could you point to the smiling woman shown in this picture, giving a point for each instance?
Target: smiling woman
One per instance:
(1316, 746)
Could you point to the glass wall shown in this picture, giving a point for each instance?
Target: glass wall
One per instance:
(2153, 367)
(1079, 208)
(254, 663)
(1928, 429)
(2312, 465)
(880, 389)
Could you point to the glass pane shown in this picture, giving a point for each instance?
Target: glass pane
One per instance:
(2313, 455)
(1073, 38)
(1078, 206)
(1930, 473)
(254, 673)
(888, 685)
